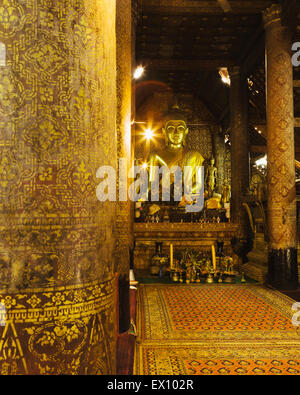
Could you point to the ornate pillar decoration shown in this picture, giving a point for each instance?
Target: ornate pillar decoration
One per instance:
(219, 154)
(57, 127)
(135, 15)
(240, 162)
(283, 271)
(124, 209)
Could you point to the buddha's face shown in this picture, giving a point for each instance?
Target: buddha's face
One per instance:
(175, 131)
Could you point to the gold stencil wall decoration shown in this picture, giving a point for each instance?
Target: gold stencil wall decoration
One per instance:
(12, 18)
(44, 135)
(46, 57)
(11, 92)
(57, 127)
(124, 218)
(280, 116)
(71, 334)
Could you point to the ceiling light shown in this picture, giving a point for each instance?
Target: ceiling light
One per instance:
(149, 134)
(139, 71)
(223, 72)
(262, 162)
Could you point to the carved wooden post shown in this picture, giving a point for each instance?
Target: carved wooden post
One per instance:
(124, 208)
(283, 271)
(239, 147)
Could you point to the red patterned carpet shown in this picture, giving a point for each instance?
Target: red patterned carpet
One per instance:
(223, 309)
(213, 329)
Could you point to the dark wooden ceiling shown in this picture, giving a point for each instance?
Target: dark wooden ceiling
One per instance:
(183, 43)
(204, 31)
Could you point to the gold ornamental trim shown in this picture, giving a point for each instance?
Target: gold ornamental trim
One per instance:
(61, 303)
(184, 230)
(188, 227)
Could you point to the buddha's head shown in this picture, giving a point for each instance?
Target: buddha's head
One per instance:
(175, 129)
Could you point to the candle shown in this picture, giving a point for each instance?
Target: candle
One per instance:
(171, 256)
(213, 253)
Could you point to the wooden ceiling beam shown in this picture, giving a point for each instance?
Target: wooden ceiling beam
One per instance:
(251, 56)
(185, 65)
(202, 88)
(254, 52)
(207, 105)
(290, 11)
(224, 114)
(185, 7)
(225, 5)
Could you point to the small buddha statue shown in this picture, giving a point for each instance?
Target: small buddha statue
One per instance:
(211, 177)
(214, 199)
(226, 192)
(174, 153)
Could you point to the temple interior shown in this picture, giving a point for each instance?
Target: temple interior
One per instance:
(150, 187)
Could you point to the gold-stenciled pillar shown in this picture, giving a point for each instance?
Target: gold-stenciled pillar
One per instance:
(57, 127)
(283, 270)
(135, 16)
(124, 208)
(240, 163)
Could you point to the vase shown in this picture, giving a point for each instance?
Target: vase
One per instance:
(155, 260)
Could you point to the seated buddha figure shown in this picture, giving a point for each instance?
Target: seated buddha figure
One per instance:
(174, 153)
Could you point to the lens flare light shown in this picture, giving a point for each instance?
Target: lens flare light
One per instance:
(223, 72)
(139, 71)
(149, 133)
(262, 162)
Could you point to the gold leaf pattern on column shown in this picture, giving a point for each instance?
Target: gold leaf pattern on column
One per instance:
(12, 18)
(280, 117)
(57, 127)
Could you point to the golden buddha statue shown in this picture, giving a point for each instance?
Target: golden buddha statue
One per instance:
(174, 152)
(211, 177)
(226, 192)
